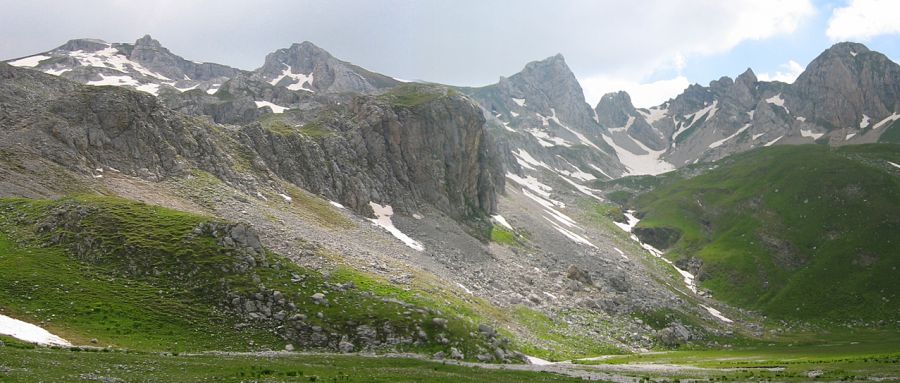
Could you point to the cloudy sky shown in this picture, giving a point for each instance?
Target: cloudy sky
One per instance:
(651, 48)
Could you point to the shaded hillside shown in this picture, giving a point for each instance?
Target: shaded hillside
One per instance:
(797, 232)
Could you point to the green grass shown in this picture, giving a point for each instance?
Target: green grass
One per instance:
(25, 364)
(140, 277)
(891, 134)
(317, 209)
(503, 236)
(552, 340)
(849, 355)
(412, 95)
(802, 232)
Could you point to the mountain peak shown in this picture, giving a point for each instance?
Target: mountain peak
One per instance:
(747, 77)
(847, 48)
(84, 44)
(147, 41)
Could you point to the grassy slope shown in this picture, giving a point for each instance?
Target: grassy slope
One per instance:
(110, 293)
(847, 355)
(796, 231)
(22, 363)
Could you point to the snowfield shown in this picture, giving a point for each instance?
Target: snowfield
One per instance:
(382, 218)
(29, 332)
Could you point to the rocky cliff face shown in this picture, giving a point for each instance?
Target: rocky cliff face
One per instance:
(379, 149)
(374, 149)
(153, 56)
(845, 83)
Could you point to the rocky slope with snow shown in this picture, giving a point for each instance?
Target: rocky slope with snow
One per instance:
(847, 95)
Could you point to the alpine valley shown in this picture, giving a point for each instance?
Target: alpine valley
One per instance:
(168, 220)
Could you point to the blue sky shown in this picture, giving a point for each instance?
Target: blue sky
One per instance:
(770, 55)
(651, 48)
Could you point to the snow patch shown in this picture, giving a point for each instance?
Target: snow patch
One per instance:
(777, 100)
(574, 237)
(527, 161)
(114, 81)
(717, 314)
(285, 197)
(502, 221)
(864, 122)
(537, 361)
(29, 62)
(755, 136)
(302, 81)
(532, 184)
(655, 114)
(894, 165)
(337, 205)
(722, 141)
(599, 170)
(514, 114)
(849, 136)
(640, 164)
(383, 219)
(811, 134)
(111, 58)
(629, 226)
(708, 111)
(893, 117)
(29, 332)
(621, 253)
(801, 119)
(275, 108)
(464, 288)
(770, 143)
(545, 140)
(149, 88)
(519, 101)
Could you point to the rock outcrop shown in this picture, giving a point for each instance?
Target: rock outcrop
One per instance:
(374, 149)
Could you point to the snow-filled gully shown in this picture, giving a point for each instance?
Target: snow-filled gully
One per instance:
(687, 276)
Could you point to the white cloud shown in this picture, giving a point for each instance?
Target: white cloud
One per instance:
(659, 37)
(864, 19)
(792, 71)
(643, 95)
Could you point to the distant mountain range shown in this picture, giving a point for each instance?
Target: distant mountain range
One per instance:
(847, 95)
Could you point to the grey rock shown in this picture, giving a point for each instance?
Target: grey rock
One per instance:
(345, 346)
(455, 354)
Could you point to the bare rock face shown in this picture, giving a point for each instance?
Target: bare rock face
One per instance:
(845, 82)
(152, 55)
(541, 113)
(615, 110)
(355, 151)
(84, 128)
(371, 150)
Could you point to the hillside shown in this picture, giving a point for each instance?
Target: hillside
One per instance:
(804, 232)
(130, 275)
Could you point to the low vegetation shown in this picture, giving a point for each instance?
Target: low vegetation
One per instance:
(798, 232)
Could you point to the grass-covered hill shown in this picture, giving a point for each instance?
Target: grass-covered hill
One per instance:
(798, 232)
(112, 272)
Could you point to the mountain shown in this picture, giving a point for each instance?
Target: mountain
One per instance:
(540, 115)
(351, 153)
(144, 65)
(795, 232)
(307, 67)
(847, 95)
(407, 184)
